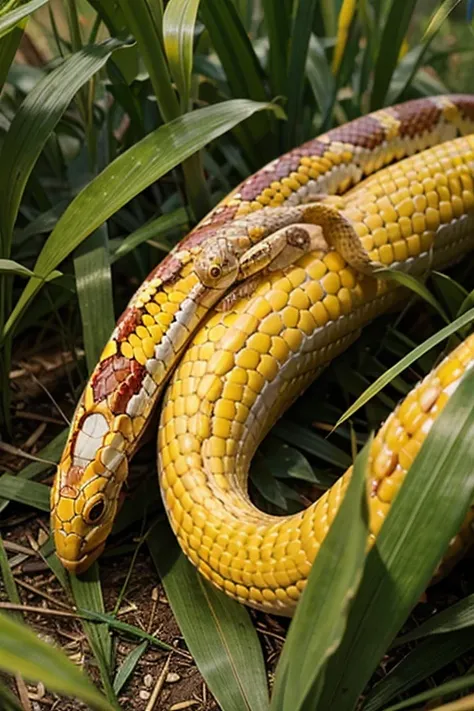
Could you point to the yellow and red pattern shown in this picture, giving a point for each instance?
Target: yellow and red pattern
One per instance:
(407, 215)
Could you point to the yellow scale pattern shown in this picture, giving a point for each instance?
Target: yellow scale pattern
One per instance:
(244, 367)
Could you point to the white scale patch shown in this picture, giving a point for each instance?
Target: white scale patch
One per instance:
(89, 439)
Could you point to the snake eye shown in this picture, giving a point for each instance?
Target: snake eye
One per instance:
(96, 511)
(215, 271)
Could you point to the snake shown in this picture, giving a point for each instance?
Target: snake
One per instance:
(243, 314)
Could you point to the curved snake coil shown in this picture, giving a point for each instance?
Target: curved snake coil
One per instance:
(249, 361)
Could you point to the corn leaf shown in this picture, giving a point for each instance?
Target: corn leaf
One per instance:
(127, 176)
(178, 35)
(9, 19)
(394, 32)
(34, 122)
(217, 630)
(321, 615)
(426, 514)
(405, 362)
(22, 651)
(87, 592)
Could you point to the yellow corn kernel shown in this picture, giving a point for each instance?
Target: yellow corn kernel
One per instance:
(126, 350)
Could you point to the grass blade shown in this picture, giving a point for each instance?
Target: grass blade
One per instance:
(455, 617)
(325, 603)
(277, 17)
(94, 292)
(405, 362)
(87, 594)
(243, 70)
(299, 43)
(22, 651)
(217, 630)
(8, 20)
(143, 21)
(34, 122)
(449, 687)
(127, 667)
(24, 492)
(8, 47)
(178, 36)
(426, 514)
(129, 174)
(420, 664)
(409, 281)
(150, 231)
(394, 32)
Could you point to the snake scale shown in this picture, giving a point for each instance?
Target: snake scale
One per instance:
(247, 310)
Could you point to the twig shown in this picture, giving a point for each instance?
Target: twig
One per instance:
(158, 686)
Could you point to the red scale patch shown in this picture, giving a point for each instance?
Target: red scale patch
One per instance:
(365, 132)
(128, 321)
(465, 104)
(418, 116)
(119, 378)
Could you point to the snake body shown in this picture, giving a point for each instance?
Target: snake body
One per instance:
(309, 264)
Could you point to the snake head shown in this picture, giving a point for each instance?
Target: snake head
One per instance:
(217, 266)
(86, 492)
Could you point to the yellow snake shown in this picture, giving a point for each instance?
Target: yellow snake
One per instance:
(293, 273)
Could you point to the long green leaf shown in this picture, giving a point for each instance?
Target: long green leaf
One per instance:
(243, 71)
(405, 362)
(8, 47)
(455, 617)
(24, 492)
(394, 32)
(217, 630)
(321, 615)
(143, 21)
(127, 176)
(419, 664)
(277, 17)
(87, 594)
(178, 36)
(150, 231)
(299, 43)
(426, 514)
(21, 651)
(408, 67)
(9, 20)
(34, 122)
(94, 291)
(409, 281)
(450, 687)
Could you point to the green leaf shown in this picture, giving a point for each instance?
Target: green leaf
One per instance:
(277, 17)
(87, 592)
(299, 42)
(311, 442)
(8, 266)
(404, 74)
(143, 20)
(8, 48)
(426, 514)
(409, 281)
(8, 20)
(34, 122)
(243, 71)
(455, 617)
(217, 630)
(405, 362)
(24, 492)
(394, 32)
(94, 291)
(450, 687)
(8, 701)
(127, 667)
(21, 651)
(320, 619)
(419, 664)
(150, 231)
(129, 174)
(178, 35)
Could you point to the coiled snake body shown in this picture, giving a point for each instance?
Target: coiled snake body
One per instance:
(293, 273)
